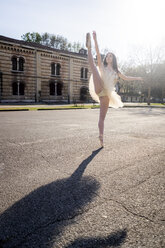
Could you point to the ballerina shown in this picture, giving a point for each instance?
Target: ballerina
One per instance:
(102, 82)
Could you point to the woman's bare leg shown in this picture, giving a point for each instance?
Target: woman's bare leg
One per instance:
(98, 83)
(104, 104)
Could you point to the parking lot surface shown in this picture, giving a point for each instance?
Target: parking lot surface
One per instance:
(59, 189)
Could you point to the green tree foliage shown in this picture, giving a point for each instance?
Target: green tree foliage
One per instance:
(51, 40)
(32, 37)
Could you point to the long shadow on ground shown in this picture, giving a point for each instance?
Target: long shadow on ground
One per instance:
(113, 240)
(38, 219)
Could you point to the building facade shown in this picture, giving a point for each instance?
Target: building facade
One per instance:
(31, 72)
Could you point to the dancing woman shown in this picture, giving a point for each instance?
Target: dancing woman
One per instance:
(103, 80)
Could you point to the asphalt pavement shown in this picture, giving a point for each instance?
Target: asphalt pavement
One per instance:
(59, 189)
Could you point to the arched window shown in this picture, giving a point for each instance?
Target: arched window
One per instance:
(55, 69)
(58, 67)
(17, 63)
(55, 88)
(84, 93)
(18, 88)
(14, 63)
(21, 64)
(84, 73)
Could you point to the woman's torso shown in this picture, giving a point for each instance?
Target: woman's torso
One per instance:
(109, 77)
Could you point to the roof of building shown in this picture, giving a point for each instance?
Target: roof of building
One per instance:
(39, 46)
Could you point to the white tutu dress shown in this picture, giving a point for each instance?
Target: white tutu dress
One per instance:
(109, 78)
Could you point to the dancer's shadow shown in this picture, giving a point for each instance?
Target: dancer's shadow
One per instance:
(38, 218)
(113, 240)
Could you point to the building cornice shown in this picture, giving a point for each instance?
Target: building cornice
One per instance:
(17, 45)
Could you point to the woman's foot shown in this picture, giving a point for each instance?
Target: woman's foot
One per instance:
(101, 140)
(88, 41)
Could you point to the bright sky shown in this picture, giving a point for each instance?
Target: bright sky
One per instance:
(120, 24)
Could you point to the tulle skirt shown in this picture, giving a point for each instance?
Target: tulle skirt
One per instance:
(109, 90)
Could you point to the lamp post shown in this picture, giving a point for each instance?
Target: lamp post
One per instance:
(140, 99)
(149, 81)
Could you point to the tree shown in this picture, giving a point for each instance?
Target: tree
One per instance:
(149, 59)
(45, 39)
(51, 40)
(131, 88)
(160, 82)
(32, 37)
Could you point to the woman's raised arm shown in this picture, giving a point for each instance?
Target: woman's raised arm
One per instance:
(128, 78)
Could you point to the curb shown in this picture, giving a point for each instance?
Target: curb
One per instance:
(143, 106)
(43, 109)
(7, 110)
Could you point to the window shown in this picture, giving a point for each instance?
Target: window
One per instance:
(21, 89)
(52, 88)
(59, 89)
(55, 88)
(21, 64)
(58, 69)
(83, 51)
(14, 63)
(15, 88)
(55, 69)
(83, 93)
(1, 83)
(84, 73)
(17, 63)
(18, 88)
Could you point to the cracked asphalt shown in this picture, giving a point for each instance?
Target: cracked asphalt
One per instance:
(58, 189)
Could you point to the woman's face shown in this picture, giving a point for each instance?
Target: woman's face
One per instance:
(109, 58)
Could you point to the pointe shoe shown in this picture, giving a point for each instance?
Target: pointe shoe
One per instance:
(88, 41)
(101, 140)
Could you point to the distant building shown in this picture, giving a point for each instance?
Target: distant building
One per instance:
(31, 72)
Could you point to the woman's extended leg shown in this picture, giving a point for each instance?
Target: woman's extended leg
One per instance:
(104, 104)
(98, 83)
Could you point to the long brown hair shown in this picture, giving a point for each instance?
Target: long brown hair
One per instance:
(114, 62)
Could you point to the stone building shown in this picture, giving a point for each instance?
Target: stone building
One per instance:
(31, 72)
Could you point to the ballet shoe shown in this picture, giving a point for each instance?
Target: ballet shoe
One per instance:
(88, 41)
(101, 140)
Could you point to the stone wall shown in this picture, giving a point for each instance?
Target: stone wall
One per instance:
(77, 65)
(9, 76)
